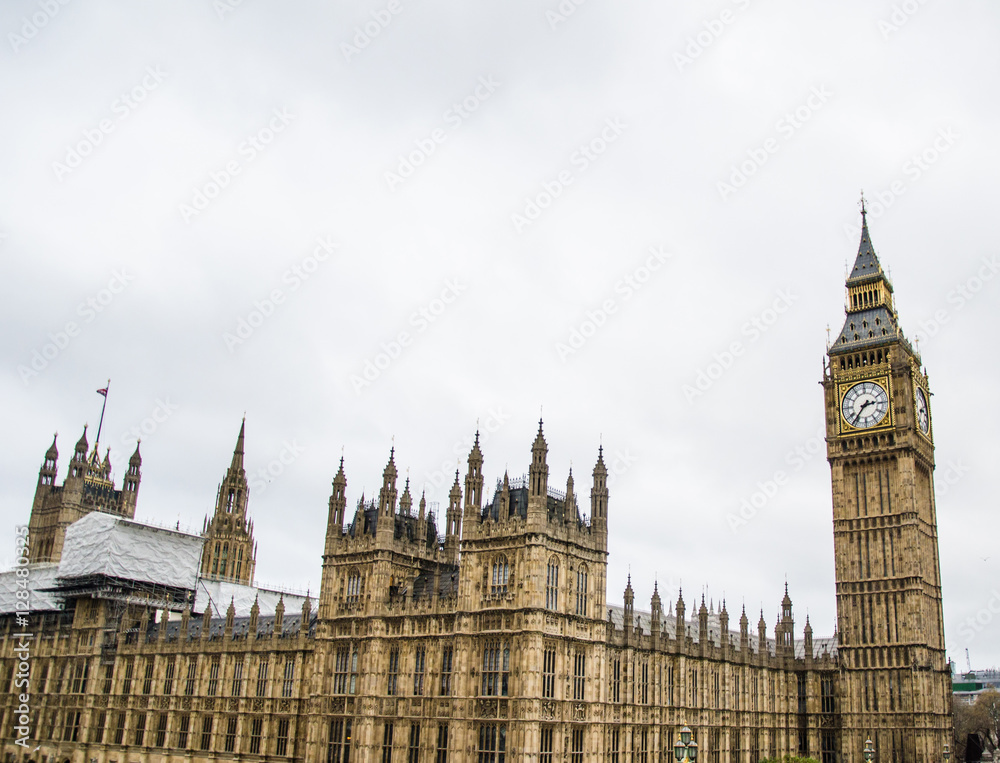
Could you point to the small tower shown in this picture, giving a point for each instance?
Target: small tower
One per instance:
(78, 466)
(338, 506)
(629, 618)
(538, 473)
(724, 626)
(762, 636)
(680, 632)
(744, 631)
(599, 497)
(229, 552)
(807, 640)
(406, 501)
(386, 526)
(453, 518)
(130, 485)
(656, 613)
(784, 635)
(703, 622)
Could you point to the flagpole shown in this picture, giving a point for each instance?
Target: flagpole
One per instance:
(101, 423)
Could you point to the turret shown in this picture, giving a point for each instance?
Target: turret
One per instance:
(744, 631)
(724, 626)
(629, 619)
(808, 640)
(406, 502)
(254, 617)
(47, 474)
(130, 485)
(474, 478)
(599, 497)
(78, 466)
(279, 616)
(656, 612)
(338, 504)
(387, 495)
(761, 635)
(229, 552)
(681, 629)
(571, 512)
(538, 473)
(453, 517)
(703, 622)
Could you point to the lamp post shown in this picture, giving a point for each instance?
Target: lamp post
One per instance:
(685, 748)
(869, 750)
(947, 753)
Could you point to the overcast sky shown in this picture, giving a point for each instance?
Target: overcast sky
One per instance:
(386, 221)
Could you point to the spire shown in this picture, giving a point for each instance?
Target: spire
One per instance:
(52, 454)
(237, 465)
(80, 452)
(474, 478)
(406, 502)
(387, 495)
(871, 317)
(599, 493)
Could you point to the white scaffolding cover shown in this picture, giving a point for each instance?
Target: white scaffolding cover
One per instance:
(103, 544)
(218, 594)
(41, 575)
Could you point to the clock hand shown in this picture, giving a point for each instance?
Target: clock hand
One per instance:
(858, 414)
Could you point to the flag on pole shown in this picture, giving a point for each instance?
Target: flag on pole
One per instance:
(103, 392)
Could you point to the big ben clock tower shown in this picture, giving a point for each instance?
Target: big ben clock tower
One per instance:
(895, 679)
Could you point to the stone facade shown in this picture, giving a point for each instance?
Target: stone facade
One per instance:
(492, 641)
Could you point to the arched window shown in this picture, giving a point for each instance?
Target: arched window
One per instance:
(552, 585)
(496, 669)
(353, 587)
(500, 572)
(581, 591)
(224, 561)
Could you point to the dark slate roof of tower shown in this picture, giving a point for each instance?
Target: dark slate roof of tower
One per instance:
(866, 264)
(867, 328)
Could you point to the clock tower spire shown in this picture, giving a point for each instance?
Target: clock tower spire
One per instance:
(881, 453)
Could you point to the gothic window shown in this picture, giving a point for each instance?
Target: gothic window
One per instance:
(213, 677)
(239, 562)
(616, 742)
(419, 659)
(147, 679)
(644, 683)
(615, 691)
(191, 675)
(224, 561)
(414, 748)
(262, 677)
(552, 585)
(546, 745)
(340, 665)
(492, 743)
(353, 685)
(577, 754)
(549, 673)
(640, 745)
(442, 744)
(353, 587)
(802, 692)
(231, 733)
(281, 742)
(500, 572)
(139, 734)
(496, 668)
(447, 654)
(237, 688)
(256, 733)
(581, 591)
(393, 671)
(289, 682)
(185, 729)
(387, 732)
(339, 749)
(168, 679)
(670, 685)
(579, 674)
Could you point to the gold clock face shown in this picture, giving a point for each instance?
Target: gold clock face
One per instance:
(922, 411)
(865, 405)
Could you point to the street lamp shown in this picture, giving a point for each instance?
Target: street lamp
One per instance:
(685, 748)
(947, 753)
(869, 750)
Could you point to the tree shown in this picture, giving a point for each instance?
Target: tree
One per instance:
(988, 710)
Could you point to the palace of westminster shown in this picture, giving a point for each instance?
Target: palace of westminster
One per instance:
(491, 641)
